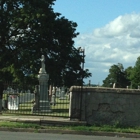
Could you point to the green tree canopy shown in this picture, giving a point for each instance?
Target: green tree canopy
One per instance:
(134, 74)
(29, 26)
(116, 75)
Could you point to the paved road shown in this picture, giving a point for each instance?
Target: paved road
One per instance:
(5, 135)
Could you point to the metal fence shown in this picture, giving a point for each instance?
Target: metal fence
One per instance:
(20, 100)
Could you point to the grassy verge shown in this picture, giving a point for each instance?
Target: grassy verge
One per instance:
(104, 128)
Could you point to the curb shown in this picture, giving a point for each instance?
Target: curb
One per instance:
(46, 122)
(111, 134)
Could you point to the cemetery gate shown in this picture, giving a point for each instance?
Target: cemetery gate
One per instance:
(25, 100)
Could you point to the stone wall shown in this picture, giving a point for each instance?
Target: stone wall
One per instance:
(105, 105)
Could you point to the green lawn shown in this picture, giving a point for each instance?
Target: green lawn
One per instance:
(61, 108)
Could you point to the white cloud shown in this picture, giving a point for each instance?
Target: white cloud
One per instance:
(116, 42)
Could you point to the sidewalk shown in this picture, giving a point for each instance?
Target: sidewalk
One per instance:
(42, 120)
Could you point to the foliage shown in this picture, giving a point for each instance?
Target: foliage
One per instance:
(29, 26)
(116, 75)
(128, 77)
(134, 74)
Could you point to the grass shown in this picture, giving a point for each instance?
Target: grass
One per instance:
(105, 128)
(61, 108)
(17, 125)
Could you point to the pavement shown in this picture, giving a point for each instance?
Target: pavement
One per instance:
(42, 120)
(57, 121)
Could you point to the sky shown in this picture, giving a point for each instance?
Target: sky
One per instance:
(109, 33)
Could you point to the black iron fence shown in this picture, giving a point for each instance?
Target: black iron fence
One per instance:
(20, 100)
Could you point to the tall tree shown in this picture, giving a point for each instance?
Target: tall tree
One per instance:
(135, 74)
(29, 26)
(116, 75)
(129, 75)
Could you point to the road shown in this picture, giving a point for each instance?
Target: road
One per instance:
(5, 135)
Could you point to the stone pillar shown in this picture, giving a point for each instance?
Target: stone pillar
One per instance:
(44, 100)
(43, 77)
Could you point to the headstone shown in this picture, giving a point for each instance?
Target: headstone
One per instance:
(68, 93)
(58, 92)
(53, 100)
(26, 97)
(50, 92)
(62, 94)
(36, 102)
(13, 102)
(43, 77)
(114, 85)
(28, 91)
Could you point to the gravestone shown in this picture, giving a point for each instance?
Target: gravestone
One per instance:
(58, 92)
(26, 97)
(62, 94)
(114, 85)
(50, 92)
(43, 77)
(13, 102)
(53, 98)
(36, 99)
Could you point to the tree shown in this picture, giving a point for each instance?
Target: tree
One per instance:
(134, 74)
(29, 26)
(129, 72)
(116, 75)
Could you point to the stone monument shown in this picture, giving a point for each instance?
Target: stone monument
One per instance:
(43, 77)
(36, 102)
(62, 94)
(42, 69)
(53, 98)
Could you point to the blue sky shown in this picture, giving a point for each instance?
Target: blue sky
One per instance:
(109, 32)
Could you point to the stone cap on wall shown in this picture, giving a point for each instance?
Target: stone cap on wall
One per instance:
(104, 90)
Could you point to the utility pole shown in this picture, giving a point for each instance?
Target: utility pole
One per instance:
(82, 51)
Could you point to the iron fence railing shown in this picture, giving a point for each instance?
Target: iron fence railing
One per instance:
(20, 101)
